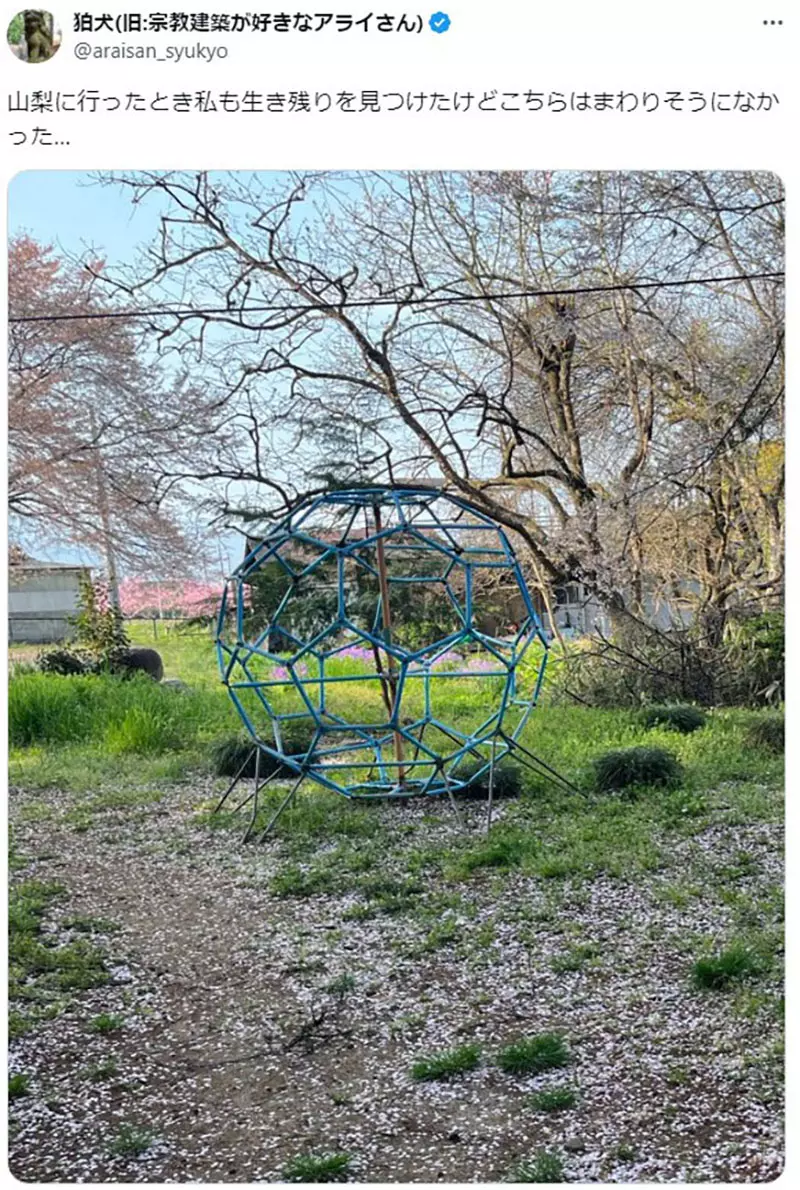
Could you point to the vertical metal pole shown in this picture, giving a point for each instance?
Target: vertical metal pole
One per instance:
(491, 787)
(386, 614)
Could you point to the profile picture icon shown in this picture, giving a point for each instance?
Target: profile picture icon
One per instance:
(33, 35)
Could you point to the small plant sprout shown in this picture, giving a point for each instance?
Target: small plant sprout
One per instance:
(531, 1055)
(446, 1064)
(100, 1072)
(341, 986)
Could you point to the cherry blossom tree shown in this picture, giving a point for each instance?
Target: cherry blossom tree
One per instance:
(92, 421)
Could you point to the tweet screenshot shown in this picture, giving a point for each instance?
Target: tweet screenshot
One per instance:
(395, 582)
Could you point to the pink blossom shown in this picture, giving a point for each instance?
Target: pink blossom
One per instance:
(179, 598)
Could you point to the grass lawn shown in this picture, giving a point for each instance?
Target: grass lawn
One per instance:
(593, 992)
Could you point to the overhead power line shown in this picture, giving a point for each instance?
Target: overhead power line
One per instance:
(371, 303)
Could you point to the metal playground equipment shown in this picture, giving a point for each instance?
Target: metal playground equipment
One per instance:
(376, 648)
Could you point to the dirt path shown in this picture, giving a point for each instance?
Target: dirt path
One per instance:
(255, 1027)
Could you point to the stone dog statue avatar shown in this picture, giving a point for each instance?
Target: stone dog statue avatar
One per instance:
(38, 35)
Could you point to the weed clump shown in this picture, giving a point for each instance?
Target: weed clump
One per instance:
(106, 1022)
(545, 1167)
(18, 1085)
(131, 1141)
(729, 966)
(556, 1099)
(532, 1055)
(503, 850)
(447, 1064)
(323, 1167)
(143, 730)
(629, 767)
(233, 754)
(684, 719)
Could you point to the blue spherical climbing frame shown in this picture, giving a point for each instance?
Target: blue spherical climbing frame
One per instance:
(386, 706)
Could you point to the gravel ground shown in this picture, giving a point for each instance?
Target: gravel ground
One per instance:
(235, 1057)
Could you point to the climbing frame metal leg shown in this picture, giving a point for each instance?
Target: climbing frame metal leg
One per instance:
(453, 802)
(286, 801)
(235, 781)
(539, 766)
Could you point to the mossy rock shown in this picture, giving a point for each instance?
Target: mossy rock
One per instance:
(139, 660)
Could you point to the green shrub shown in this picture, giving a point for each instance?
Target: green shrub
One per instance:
(508, 778)
(447, 1064)
(767, 732)
(229, 753)
(532, 1055)
(99, 629)
(64, 662)
(629, 767)
(684, 719)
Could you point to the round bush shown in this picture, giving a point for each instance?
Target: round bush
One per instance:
(630, 767)
(767, 733)
(507, 779)
(675, 718)
(231, 752)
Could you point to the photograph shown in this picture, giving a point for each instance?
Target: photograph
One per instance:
(396, 579)
(33, 35)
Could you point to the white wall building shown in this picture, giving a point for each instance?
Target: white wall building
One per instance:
(42, 597)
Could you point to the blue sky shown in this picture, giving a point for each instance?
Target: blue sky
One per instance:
(66, 209)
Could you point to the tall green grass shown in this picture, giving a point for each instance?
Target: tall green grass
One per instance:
(68, 730)
(120, 716)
